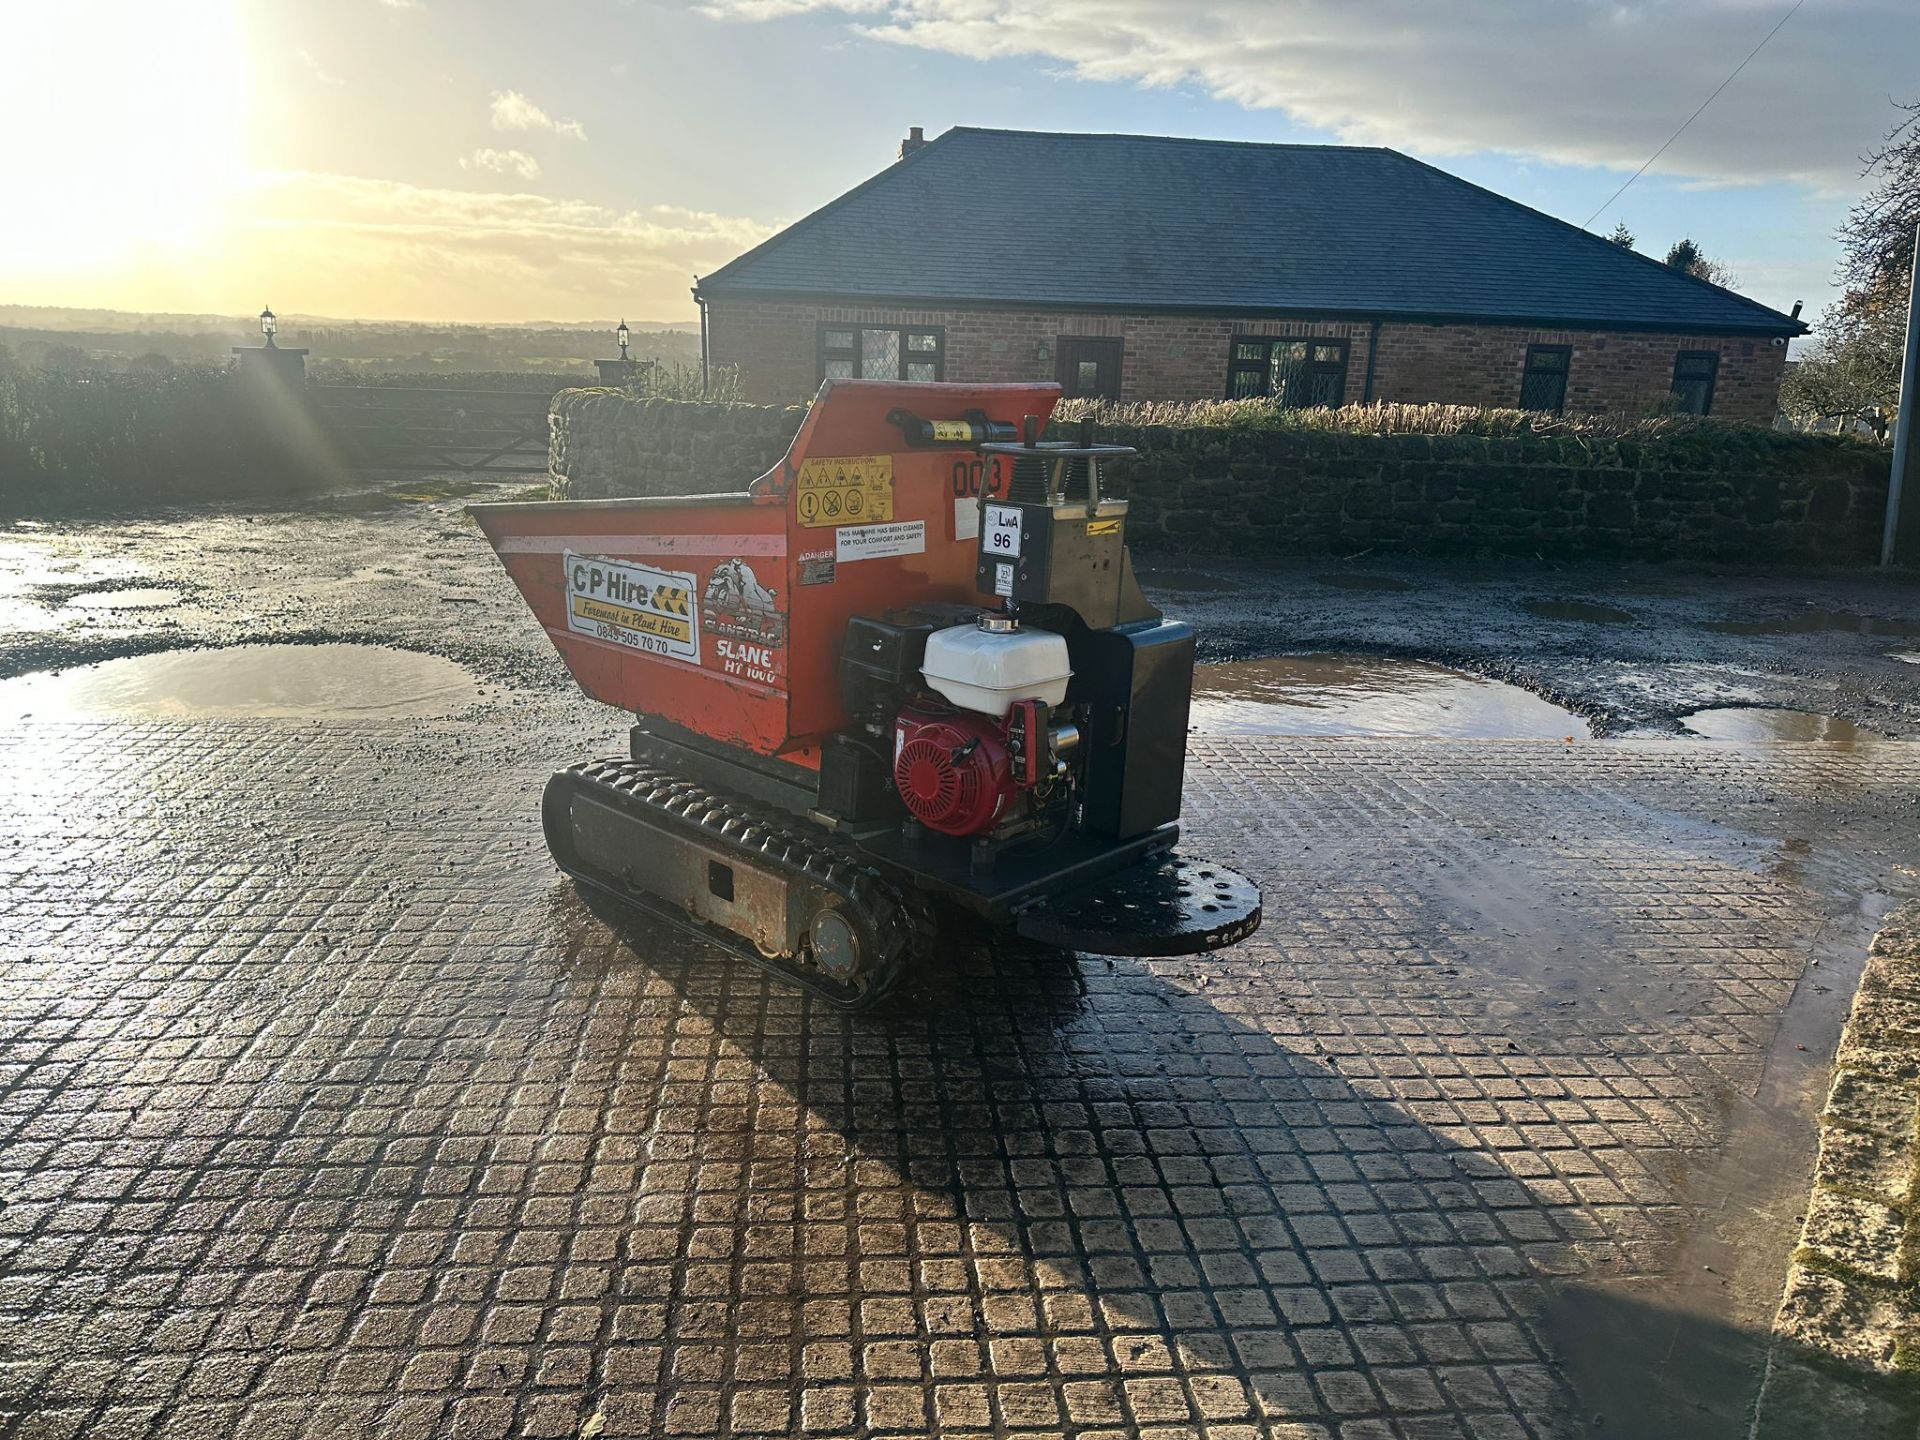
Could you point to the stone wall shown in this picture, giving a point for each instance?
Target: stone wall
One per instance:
(607, 443)
(1708, 491)
(775, 344)
(1705, 491)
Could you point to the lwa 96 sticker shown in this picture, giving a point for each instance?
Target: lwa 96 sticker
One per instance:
(633, 605)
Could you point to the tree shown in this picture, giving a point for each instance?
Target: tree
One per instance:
(1622, 236)
(1853, 366)
(1689, 259)
(1877, 235)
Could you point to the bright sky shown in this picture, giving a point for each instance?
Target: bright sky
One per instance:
(498, 160)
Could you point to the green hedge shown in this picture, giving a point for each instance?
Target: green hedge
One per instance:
(79, 441)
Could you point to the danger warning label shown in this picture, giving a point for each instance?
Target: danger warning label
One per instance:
(632, 605)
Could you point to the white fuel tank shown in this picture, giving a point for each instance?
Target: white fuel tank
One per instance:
(986, 669)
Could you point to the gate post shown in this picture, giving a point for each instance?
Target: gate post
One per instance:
(1900, 540)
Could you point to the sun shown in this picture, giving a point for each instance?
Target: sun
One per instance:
(127, 124)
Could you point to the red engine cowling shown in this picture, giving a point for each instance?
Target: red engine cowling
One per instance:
(952, 771)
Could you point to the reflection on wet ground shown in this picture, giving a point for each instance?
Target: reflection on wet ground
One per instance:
(1817, 621)
(1582, 610)
(1183, 581)
(1752, 722)
(259, 681)
(1345, 580)
(137, 597)
(1369, 695)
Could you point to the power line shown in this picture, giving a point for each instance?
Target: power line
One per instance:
(1698, 113)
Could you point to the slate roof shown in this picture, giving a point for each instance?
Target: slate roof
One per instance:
(1142, 222)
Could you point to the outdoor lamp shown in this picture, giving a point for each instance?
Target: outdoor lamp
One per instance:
(268, 324)
(621, 334)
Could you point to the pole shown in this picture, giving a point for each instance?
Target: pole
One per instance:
(1893, 544)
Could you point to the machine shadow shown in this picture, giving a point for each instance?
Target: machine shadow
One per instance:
(1089, 1190)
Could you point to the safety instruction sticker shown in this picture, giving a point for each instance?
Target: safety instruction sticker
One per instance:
(874, 542)
(845, 490)
(1103, 527)
(1002, 538)
(632, 605)
(948, 431)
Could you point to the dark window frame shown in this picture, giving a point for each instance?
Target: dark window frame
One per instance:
(823, 353)
(1263, 367)
(1712, 377)
(1562, 371)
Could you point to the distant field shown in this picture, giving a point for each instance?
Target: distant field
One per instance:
(338, 350)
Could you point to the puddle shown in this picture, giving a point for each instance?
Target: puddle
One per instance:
(1369, 695)
(1910, 657)
(281, 682)
(1761, 723)
(27, 566)
(1582, 610)
(140, 597)
(1188, 580)
(1364, 582)
(1817, 622)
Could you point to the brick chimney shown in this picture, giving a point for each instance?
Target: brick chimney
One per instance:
(916, 137)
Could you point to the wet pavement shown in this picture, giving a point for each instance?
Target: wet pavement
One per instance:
(331, 1110)
(1369, 695)
(328, 1109)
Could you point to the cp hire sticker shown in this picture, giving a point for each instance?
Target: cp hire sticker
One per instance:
(632, 605)
(1003, 578)
(874, 542)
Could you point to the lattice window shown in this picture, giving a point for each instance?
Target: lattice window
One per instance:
(882, 352)
(1543, 385)
(1297, 372)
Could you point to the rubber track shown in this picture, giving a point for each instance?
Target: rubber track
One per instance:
(767, 839)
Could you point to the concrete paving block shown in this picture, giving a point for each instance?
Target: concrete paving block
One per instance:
(1864, 1236)
(1871, 1102)
(1863, 1162)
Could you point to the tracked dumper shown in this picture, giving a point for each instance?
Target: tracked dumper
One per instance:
(907, 670)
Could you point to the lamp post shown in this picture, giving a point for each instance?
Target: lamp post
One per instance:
(624, 371)
(268, 324)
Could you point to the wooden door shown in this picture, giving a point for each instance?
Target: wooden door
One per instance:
(1090, 366)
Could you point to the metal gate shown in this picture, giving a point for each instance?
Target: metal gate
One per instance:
(391, 427)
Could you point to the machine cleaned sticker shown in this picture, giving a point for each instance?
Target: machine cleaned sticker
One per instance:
(632, 605)
(873, 542)
(845, 490)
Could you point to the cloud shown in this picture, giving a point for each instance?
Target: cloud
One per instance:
(319, 71)
(346, 245)
(502, 162)
(1575, 82)
(514, 111)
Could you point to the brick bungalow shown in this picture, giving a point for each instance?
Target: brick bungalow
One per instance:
(1144, 268)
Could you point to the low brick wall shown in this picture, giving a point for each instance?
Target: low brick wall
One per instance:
(1713, 491)
(607, 443)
